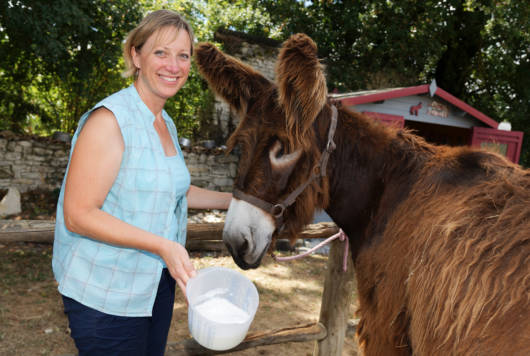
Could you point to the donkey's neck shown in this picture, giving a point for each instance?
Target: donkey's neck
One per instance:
(370, 174)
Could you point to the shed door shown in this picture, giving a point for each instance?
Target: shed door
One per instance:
(507, 143)
(388, 119)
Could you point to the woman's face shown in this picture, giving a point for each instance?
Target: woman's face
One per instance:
(164, 64)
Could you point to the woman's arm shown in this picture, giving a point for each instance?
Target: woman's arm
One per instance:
(94, 166)
(199, 198)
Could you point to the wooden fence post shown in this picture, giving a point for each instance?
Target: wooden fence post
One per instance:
(336, 300)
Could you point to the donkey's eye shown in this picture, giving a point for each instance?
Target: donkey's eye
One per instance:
(276, 150)
(279, 159)
(280, 152)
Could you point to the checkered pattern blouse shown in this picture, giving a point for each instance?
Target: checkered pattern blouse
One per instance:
(150, 193)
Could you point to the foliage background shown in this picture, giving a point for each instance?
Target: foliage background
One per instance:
(60, 57)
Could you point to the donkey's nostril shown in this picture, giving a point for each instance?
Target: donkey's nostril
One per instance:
(244, 245)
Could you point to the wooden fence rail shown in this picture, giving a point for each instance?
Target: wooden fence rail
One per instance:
(205, 237)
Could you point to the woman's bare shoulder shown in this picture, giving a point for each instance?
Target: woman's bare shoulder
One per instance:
(101, 114)
(101, 126)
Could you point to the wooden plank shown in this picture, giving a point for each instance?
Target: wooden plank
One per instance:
(336, 300)
(316, 231)
(302, 333)
(27, 236)
(210, 231)
(206, 245)
(26, 231)
(26, 225)
(42, 231)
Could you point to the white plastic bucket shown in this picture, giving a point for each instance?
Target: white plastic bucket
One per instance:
(222, 305)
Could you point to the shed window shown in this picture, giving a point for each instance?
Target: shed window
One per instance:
(496, 147)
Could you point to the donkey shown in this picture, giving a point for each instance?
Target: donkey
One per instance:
(439, 236)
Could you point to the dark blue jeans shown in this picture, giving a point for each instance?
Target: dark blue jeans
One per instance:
(96, 333)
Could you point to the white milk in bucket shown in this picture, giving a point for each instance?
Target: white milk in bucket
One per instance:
(219, 309)
(222, 304)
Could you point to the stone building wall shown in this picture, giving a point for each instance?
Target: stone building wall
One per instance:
(29, 163)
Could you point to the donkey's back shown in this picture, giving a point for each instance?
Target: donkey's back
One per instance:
(450, 273)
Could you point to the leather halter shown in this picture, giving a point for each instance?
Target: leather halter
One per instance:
(319, 170)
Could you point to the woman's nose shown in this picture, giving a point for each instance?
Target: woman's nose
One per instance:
(173, 64)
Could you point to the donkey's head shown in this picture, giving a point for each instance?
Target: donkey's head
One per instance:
(279, 139)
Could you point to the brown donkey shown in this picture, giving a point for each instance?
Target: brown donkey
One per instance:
(440, 236)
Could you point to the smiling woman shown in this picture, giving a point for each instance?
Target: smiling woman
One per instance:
(121, 216)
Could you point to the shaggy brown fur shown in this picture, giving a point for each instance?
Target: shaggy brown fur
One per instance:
(440, 236)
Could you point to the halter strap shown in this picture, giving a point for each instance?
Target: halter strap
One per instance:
(318, 171)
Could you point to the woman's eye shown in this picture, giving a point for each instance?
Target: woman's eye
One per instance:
(159, 53)
(185, 56)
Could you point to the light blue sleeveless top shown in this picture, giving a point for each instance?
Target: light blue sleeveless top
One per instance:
(149, 192)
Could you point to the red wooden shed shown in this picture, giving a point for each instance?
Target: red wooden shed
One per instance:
(437, 116)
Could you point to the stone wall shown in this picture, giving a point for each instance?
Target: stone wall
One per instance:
(29, 162)
(211, 169)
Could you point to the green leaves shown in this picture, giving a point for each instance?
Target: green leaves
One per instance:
(61, 59)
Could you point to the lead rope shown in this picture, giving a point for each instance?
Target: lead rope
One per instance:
(339, 235)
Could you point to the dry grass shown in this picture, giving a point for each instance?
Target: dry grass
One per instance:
(32, 321)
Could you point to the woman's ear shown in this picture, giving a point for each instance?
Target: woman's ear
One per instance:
(135, 57)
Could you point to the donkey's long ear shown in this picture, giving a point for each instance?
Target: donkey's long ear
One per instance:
(236, 82)
(302, 85)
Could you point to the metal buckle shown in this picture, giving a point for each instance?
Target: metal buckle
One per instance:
(278, 210)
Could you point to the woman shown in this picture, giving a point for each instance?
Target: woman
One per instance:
(122, 211)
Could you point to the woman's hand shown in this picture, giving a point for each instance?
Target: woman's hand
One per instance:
(178, 263)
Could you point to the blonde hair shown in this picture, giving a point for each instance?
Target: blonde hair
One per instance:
(152, 23)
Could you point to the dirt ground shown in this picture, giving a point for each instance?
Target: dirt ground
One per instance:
(32, 321)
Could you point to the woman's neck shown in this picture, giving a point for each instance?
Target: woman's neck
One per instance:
(155, 105)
